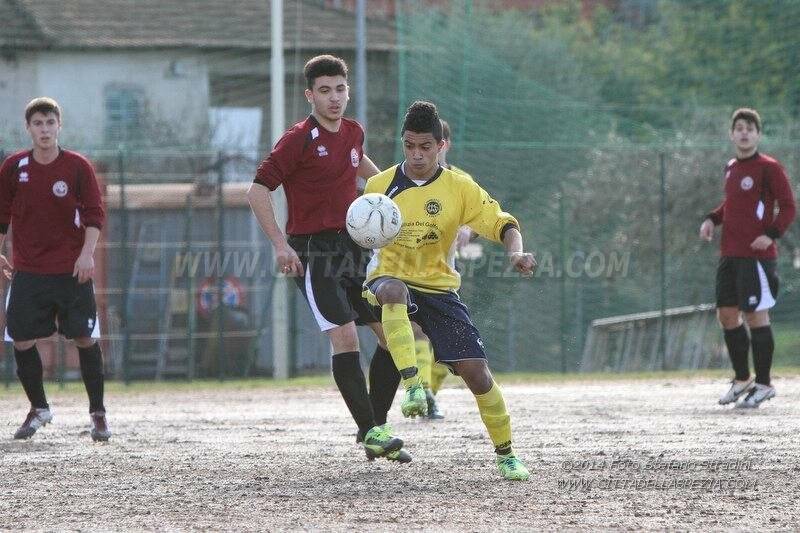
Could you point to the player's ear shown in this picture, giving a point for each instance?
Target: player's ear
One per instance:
(440, 145)
(308, 94)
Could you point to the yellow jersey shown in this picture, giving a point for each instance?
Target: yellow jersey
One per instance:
(423, 254)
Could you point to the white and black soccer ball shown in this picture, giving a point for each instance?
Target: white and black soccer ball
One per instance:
(373, 220)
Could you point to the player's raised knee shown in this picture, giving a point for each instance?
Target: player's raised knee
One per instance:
(392, 291)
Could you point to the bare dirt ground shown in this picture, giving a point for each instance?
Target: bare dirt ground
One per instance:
(640, 454)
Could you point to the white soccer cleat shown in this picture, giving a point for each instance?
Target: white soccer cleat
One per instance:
(738, 388)
(36, 418)
(757, 395)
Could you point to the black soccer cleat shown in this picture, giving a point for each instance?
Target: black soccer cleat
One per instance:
(35, 419)
(100, 431)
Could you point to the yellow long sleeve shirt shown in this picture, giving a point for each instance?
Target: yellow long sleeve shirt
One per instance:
(423, 254)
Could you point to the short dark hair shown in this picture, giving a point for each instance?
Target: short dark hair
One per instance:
(422, 117)
(324, 65)
(445, 130)
(43, 105)
(748, 115)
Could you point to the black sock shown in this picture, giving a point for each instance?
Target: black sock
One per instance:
(30, 373)
(383, 381)
(93, 378)
(763, 346)
(353, 386)
(738, 345)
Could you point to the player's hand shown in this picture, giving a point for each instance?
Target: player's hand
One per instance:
(707, 230)
(523, 262)
(463, 237)
(84, 268)
(6, 265)
(761, 243)
(288, 261)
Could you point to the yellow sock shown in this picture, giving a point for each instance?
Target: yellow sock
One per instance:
(400, 338)
(424, 361)
(438, 373)
(495, 417)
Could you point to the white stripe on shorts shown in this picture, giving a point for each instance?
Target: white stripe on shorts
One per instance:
(767, 300)
(322, 322)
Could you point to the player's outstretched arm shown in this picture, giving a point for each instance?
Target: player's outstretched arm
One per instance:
(260, 202)
(523, 262)
(366, 168)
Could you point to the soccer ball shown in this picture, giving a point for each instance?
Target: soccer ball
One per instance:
(373, 220)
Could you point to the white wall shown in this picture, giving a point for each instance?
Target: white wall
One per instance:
(78, 79)
(17, 83)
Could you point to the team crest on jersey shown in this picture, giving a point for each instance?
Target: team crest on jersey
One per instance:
(23, 177)
(354, 159)
(60, 188)
(747, 183)
(433, 207)
(322, 151)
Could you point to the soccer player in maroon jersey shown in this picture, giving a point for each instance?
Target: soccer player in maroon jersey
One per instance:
(318, 162)
(747, 279)
(51, 200)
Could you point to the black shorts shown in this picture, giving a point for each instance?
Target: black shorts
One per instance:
(334, 272)
(747, 283)
(38, 305)
(445, 319)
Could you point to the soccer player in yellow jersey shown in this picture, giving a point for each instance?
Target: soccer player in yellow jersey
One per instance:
(415, 275)
(432, 374)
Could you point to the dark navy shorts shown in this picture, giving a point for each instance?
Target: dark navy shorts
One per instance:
(445, 319)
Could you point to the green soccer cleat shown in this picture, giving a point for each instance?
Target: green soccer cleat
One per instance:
(512, 468)
(414, 403)
(400, 456)
(433, 407)
(378, 442)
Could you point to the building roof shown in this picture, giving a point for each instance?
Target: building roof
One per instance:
(214, 24)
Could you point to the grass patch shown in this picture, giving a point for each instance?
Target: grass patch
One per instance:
(117, 388)
(787, 345)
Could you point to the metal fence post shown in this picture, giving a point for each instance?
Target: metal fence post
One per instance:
(221, 273)
(126, 271)
(191, 360)
(562, 294)
(663, 238)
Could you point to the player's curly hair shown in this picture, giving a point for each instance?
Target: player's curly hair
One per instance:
(422, 117)
(324, 65)
(445, 130)
(748, 115)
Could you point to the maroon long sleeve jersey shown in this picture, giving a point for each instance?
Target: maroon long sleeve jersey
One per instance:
(754, 188)
(317, 169)
(48, 208)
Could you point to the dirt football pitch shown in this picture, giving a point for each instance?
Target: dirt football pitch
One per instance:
(640, 454)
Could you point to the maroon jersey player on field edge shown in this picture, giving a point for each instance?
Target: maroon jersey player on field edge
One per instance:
(51, 200)
(318, 162)
(747, 278)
